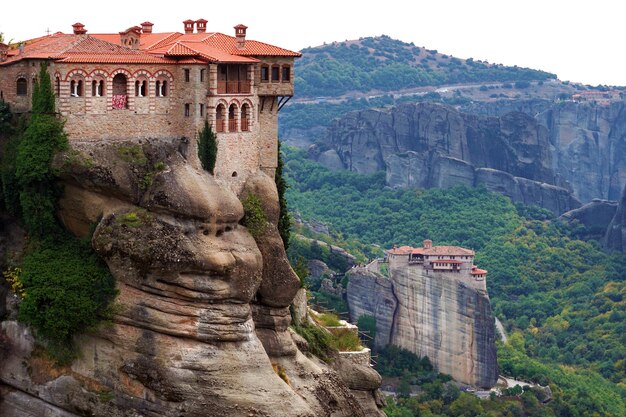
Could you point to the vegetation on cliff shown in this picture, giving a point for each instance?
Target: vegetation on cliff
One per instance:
(284, 220)
(564, 296)
(65, 288)
(382, 63)
(207, 147)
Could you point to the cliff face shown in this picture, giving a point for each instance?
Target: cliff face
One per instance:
(587, 141)
(428, 145)
(203, 307)
(441, 318)
(615, 238)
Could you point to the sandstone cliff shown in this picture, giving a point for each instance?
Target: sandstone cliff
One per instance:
(203, 307)
(429, 145)
(443, 319)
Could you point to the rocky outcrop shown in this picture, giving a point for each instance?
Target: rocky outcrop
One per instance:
(429, 145)
(432, 316)
(202, 316)
(615, 238)
(594, 216)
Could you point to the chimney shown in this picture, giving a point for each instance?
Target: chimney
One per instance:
(428, 244)
(201, 25)
(189, 25)
(79, 29)
(146, 27)
(240, 34)
(3, 52)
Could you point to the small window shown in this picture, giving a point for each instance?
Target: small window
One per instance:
(265, 73)
(22, 87)
(140, 88)
(161, 88)
(286, 74)
(97, 87)
(187, 109)
(275, 74)
(58, 86)
(186, 75)
(76, 88)
(202, 110)
(202, 75)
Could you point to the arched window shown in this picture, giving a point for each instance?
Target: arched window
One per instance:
(58, 85)
(245, 117)
(120, 83)
(161, 88)
(22, 86)
(140, 88)
(219, 118)
(76, 88)
(232, 118)
(97, 88)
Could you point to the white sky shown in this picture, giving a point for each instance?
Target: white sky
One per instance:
(579, 40)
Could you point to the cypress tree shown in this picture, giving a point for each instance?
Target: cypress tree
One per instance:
(34, 175)
(284, 221)
(207, 147)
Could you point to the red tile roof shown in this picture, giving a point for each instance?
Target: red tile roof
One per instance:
(154, 48)
(447, 261)
(434, 251)
(478, 271)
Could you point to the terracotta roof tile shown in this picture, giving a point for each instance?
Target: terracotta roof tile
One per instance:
(435, 250)
(478, 271)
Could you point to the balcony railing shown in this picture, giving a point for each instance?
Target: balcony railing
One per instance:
(219, 126)
(233, 87)
(232, 125)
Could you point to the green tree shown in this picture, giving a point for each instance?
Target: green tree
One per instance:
(284, 221)
(207, 147)
(44, 136)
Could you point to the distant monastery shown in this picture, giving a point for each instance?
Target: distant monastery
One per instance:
(139, 84)
(440, 261)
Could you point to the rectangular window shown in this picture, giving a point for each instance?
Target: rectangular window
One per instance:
(187, 109)
(286, 74)
(186, 75)
(275, 74)
(202, 110)
(265, 74)
(202, 75)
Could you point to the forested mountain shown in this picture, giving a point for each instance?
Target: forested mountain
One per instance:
(562, 299)
(385, 64)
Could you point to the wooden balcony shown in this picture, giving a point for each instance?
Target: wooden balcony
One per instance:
(233, 87)
(219, 126)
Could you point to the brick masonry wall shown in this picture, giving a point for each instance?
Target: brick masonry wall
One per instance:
(93, 118)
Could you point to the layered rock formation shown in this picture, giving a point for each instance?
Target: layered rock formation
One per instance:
(203, 307)
(432, 316)
(429, 145)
